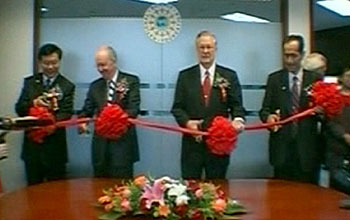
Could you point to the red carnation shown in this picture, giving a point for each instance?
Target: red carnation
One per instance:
(196, 215)
(181, 210)
(327, 96)
(38, 134)
(112, 122)
(222, 136)
(192, 185)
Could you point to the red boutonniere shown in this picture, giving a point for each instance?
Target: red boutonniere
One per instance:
(223, 84)
(122, 88)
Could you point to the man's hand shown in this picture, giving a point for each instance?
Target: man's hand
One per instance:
(272, 118)
(40, 102)
(347, 138)
(238, 125)
(83, 128)
(194, 125)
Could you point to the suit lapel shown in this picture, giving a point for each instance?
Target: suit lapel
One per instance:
(102, 90)
(197, 86)
(307, 80)
(286, 93)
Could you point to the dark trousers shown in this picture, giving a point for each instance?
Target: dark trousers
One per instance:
(105, 170)
(196, 158)
(38, 171)
(340, 180)
(294, 173)
(292, 169)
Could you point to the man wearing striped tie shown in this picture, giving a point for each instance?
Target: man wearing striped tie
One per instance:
(113, 158)
(294, 150)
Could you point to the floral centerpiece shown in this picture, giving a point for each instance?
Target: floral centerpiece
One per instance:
(169, 199)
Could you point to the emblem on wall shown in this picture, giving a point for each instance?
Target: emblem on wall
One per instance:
(162, 22)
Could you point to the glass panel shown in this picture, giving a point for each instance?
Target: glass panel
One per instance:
(252, 49)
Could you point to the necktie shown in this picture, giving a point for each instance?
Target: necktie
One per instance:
(295, 94)
(47, 84)
(206, 88)
(111, 91)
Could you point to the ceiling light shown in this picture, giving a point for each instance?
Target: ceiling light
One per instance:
(341, 7)
(158, 1)
(243, 18)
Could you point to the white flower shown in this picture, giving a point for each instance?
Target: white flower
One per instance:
(179, 191)
(182, 199)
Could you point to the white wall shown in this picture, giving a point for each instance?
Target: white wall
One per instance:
(253, 50)
(16, 56)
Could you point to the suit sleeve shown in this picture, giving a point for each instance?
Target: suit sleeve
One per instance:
(24, 101)
(66, 105)
(235, 98)
(133, 103)
(178, 108)
(90, 104)
(267, 105)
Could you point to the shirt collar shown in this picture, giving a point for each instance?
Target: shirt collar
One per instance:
(211, 70)
(52, 79)
(299, 74)
(115, 77)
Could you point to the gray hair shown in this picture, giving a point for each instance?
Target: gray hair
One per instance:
(206, 33)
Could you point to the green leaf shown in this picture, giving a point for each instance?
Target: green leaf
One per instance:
(232, 210)
(110, 216)
(228, 217)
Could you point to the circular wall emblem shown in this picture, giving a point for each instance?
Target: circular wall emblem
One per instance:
(162, 22)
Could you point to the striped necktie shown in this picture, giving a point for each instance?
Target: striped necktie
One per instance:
(295, 94)
(111, 91)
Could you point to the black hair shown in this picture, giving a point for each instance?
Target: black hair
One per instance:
(298, 38)
(48, 49)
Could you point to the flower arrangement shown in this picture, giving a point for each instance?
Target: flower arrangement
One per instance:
(223, 84)
(169, 199)
(122, 88)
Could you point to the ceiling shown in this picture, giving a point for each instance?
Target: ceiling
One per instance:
(325, 19)
(267, 9)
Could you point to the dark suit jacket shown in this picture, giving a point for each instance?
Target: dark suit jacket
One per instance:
(125, 149)
(189, 104)
(278, 96)
(337, 148)
(54, 147)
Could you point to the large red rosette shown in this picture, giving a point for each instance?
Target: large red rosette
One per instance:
(327, 96)
(222, 136)
(37, 135)
(112, 122)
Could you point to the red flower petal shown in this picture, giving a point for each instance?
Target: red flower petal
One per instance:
(38, 134)
(112, 122)
(327, 96)
(222, 136)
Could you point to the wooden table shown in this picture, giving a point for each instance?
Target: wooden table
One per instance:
(264, 199)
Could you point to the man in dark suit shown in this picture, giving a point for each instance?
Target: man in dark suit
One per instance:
(204, 91)
(113, 158)
(294, 149)
(46, 160)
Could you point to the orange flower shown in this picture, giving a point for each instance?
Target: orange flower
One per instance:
(140, 181)
(104, 199)
(219, 205)
(164, 210)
